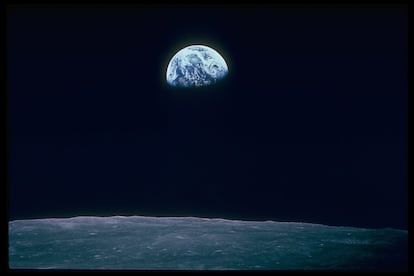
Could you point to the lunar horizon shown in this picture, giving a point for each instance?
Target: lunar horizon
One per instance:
(191, 243)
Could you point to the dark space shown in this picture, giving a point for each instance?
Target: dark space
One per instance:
(310, 125)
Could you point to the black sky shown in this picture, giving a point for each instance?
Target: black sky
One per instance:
(310, 125)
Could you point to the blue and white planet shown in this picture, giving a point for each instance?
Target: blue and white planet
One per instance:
(196, 66)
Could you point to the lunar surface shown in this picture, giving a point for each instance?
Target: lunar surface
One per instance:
(188, 243)
(195, 66)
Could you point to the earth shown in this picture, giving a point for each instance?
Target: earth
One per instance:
(195, 66)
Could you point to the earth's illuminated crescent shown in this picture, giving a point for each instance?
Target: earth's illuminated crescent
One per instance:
(195, 66)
